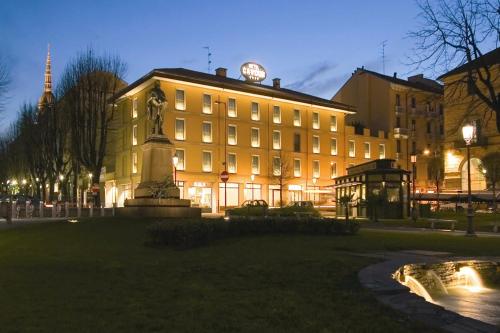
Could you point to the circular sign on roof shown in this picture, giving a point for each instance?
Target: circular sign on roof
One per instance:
(253, 72)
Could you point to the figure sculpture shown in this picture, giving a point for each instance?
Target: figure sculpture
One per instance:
(156, 102)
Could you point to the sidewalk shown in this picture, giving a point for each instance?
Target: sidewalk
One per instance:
(414, 230)
(16, 223)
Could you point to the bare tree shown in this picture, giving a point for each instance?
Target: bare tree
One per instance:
(458, 32)
(4, 82)
(87, 84)
(491, 165)
(282, 171)
(435, 171)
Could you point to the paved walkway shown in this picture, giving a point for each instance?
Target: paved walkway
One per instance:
(16, 223)
(427, 231)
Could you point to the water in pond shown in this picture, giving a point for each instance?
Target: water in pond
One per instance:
(465, 294)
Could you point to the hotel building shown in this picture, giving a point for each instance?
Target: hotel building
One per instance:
(410, 111)
(218, 123)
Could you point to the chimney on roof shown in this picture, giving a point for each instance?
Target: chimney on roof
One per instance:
(395, 75)
(276, 83)
(221, 71)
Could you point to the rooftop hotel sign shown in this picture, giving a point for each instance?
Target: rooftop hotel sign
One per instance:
(253, 72)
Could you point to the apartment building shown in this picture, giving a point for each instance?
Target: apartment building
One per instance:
(253, 131)
(410, 111)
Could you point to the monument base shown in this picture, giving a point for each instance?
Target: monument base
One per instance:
(164, 208)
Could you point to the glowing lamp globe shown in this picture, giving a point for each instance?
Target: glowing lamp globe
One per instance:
(468, 133)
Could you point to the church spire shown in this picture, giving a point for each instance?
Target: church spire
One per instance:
(48, 73)
(47, 98)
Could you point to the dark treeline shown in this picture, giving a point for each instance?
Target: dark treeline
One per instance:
(57, 144)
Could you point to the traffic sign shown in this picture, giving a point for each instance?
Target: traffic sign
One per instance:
(224, 176)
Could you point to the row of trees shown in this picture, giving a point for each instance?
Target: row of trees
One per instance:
(63, 139)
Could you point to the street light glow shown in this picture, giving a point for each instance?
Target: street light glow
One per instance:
(468, 133)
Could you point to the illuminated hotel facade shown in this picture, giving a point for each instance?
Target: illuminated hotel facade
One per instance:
(218, 123)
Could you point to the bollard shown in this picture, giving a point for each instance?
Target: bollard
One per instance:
(14, 210)
(113, 210)
(54, 209)
(78, 211)
(66, 209)
(102, 210)
(40, 207)
(91, 209)
(9, 212)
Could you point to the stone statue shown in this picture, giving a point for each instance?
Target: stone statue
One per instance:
(156, 102)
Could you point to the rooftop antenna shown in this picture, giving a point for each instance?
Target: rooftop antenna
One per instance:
(384, 44)
(209, 59)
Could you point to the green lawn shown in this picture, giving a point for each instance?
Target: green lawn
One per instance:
(482, 221)
(97, 276)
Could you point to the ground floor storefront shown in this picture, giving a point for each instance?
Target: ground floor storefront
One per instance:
(213, 195)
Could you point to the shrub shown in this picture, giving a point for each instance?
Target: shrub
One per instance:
(187, 234)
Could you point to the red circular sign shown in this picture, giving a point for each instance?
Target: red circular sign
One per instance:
(224, 176)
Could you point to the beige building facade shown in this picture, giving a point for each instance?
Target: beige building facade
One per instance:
(410, 111)
(253, 131)
(463, 106)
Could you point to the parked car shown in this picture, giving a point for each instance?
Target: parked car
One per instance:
(249, 208)
(297, 208)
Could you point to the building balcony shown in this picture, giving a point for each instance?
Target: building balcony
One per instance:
(399, 110)
(401, 133)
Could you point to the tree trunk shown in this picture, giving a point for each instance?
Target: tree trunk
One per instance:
(494, 198)
(438, 202)
(96, 195)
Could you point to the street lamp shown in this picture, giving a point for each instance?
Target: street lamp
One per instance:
(252, 178)
(414, 202)
(468, 134)
(175, 161)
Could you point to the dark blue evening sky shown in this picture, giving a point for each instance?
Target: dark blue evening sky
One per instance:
(313, 46)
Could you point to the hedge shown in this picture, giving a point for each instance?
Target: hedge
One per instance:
(186, 234)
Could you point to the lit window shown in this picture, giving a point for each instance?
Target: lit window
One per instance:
(276, 166)
(180, 155)
(134, 162)
(315, 120)
(352, 148)
(333, 170)
(315, 170)
(276, 114)
(333, 146)
(255, 164)
(315, 143)
(207, 161)
(367, 150)
(206, 132)
(333, 123)
(134, 107)
(231, 162)
(180, 129)
(231, 108)
(255, 111)
(134, 135)
(297, 168)
(297, 120)
(255, 137)
(180, 101)
(207, 104)
(232, 138)
(381, 151)
(276, 140)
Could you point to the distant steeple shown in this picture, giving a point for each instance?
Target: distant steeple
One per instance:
(47, 97)
(48, 72)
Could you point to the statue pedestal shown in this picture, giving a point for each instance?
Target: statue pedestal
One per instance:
(156, 173)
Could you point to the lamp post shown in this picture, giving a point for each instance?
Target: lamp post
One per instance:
(468, 134)
(175, 161)
(252, 178)
(414, 202)
(315, 180)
